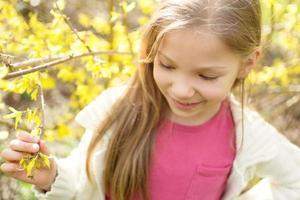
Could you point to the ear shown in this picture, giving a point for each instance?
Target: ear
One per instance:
(249, 63)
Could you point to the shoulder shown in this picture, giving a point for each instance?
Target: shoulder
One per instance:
(252, 119)
(259, 136)
(90, 116)
(266, 153)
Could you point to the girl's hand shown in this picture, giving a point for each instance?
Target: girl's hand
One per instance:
(24, 145)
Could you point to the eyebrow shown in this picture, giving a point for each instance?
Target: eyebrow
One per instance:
(207, 68)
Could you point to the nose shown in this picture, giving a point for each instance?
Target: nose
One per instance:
(182, 91)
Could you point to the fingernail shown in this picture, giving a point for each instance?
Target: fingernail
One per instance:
(5, 167)
(2, 167)
(35, 147)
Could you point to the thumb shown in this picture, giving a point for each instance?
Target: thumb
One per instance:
(43, 148)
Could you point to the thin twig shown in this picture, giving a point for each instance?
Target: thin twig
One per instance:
(125, 24)
(67, 21)
(111, 26)
(37, 68)
(11, 125)
(58, 61)
(34, 61)
(42, 107)
(6, 56)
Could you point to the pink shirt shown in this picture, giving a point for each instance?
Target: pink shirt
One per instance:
(193, 162)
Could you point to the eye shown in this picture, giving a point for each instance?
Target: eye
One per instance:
(209, 78)
(165, 66)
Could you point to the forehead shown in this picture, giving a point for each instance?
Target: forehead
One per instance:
(195, 45)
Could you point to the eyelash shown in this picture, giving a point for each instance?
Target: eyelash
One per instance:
(209, 78)
(204, 77)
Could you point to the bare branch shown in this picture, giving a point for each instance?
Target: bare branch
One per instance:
(111, 6)
(42, 107)
(59, 61)
(6, 56)
(126, 25)
(67, 21)
(37, 68)
(34, 61)
(12, 126)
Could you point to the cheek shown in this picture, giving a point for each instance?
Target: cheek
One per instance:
(214, 90)
(155, 75)
(159, 76)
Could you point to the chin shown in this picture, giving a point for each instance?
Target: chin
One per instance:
(190, 113)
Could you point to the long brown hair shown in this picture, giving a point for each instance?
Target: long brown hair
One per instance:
(137, 114)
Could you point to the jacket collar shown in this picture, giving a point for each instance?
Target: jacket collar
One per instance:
(256, 143)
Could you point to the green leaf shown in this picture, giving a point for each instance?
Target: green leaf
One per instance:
(131, 6)
(12, 109)
(9, 116)
(33, 95)
(36, 131)
(18, 119)
(29, 115)
(127, 8)
(15, 114)
(3, 71)
(61, 4)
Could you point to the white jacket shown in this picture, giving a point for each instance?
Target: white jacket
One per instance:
(265, 153)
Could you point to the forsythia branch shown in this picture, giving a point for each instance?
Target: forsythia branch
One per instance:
(38, 160)
(34, 61)
(42, 106)
(67, 21)
(11, 125)
(126, 25)
(60, 60)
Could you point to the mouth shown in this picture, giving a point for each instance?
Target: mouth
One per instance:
(186, 103)
(185, 106)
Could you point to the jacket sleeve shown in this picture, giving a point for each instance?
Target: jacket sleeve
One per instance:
(281, 174)
(69, 169)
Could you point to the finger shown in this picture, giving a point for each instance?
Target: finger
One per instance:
(11, 155)
(10, 167)
(44, 148)
(19, 145)
(26, 137)
(16, 171)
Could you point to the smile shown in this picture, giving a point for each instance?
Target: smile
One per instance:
(185, 106)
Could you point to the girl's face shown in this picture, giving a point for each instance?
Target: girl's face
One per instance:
(194, 67)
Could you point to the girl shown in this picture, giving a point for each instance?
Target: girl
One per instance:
(175, 131)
